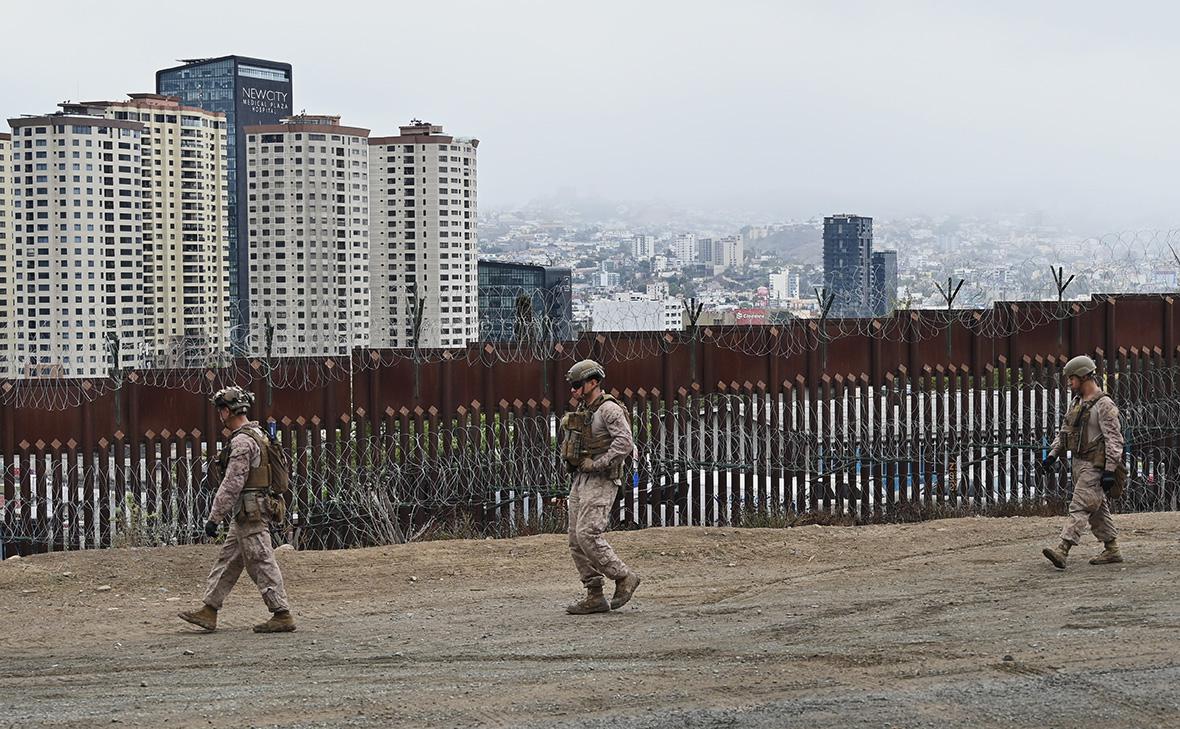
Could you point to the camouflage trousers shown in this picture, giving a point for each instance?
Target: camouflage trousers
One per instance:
(1088, 506)
(247, 546)
(589, 504)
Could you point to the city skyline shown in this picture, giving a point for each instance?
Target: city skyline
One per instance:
(964, 110)
(274, 205)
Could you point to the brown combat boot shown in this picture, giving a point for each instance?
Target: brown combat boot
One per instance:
(624, 589)
(594, 602)
(205, 618)
(1110, 555)
(1057, 555)
(280, 622)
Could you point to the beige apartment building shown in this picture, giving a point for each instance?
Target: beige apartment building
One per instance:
(423, 238)
(186, 315)
(7, 360)
(76, 231)
(307, 198)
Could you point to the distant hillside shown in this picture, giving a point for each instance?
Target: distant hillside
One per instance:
(797, 243)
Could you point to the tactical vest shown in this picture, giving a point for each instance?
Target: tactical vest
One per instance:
(1077, 420)
(581, 443)
(258, 479)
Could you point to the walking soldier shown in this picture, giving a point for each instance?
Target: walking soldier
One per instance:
(1092, 434)
(244, 495)
(597, 442)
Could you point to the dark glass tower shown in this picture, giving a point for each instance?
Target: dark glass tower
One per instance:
(884, 282)
(248, 91)
(848, 276)
(523, 302)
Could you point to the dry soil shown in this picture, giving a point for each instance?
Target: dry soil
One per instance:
(955, 623)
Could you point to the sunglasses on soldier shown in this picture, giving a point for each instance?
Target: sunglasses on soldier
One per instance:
(577, 385)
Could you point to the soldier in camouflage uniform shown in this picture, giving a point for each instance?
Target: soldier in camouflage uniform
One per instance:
(1094, 437)
(243, 495)
(597, 441)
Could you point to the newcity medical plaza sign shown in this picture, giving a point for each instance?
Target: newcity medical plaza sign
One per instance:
(261, 101)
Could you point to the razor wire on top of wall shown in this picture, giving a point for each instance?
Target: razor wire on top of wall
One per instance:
(1133, 262)
(750, 454)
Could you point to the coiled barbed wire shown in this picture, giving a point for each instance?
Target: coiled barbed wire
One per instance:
(1138, 262)
(951, 437)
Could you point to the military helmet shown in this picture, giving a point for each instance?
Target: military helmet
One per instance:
(1080, 366)
(584, 370)
(235, 398)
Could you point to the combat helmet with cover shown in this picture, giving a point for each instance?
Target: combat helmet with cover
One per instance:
(236, 399)
(584, 370)
(1080, 366)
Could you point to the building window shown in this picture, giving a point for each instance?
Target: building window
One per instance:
(270, 74)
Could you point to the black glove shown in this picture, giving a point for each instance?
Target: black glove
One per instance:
(1048, 462)
(1107, 481)
(210, 528)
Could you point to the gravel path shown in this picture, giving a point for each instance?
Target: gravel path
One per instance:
(956, 623)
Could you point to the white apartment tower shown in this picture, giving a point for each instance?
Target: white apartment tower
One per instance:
(643, 247)
(185, 227)
(308, 218)
(684, 248)
(7, 362)
(76, 231)
(423, 238)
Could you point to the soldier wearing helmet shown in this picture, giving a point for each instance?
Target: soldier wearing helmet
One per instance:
(1092, 434)
(596, 442)
(243, 495)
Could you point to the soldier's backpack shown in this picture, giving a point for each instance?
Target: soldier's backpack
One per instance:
(279, 461)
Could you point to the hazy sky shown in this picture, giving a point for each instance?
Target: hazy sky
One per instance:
(801, 109)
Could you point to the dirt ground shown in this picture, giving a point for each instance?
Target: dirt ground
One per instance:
(955, 623)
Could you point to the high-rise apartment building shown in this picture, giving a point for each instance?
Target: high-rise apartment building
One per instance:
(848, 247)
(684, 248)
(721, 253)
(884, 282)
(729, 251)
(705, 251)
(7, 260)
(248, 91)
(643, 247)
(77, 237)
(185, 227)
(307, 207)
(423, 242)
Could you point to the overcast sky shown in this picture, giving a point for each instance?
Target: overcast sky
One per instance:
(799, 109)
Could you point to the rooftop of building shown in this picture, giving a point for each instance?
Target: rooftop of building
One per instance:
(61, 117)
(304, 118)
(313, 123)
(513, 264)
(420, 132)
(189, 62)
(139, 101)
